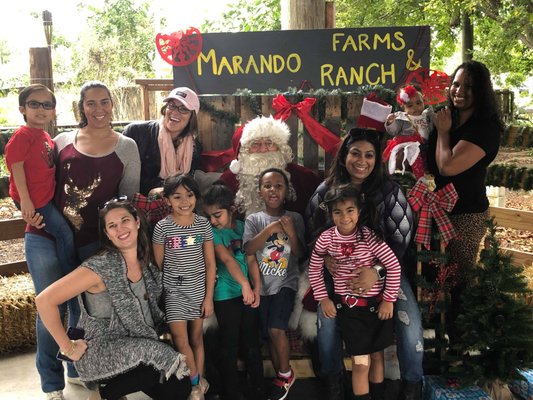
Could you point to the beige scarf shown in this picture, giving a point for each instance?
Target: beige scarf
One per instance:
(174, 160)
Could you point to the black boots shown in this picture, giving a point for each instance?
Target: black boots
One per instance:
(335, 386)
(377, 391)
(412, 390)
(361, 396)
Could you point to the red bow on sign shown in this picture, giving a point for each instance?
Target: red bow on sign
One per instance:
(433, 205)
(323, 136)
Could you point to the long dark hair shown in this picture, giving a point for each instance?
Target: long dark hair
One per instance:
(368, 215)
(173, 182)
(338, 174)
(219, 195)
(485, 105)
(83, 92)
(144, 254)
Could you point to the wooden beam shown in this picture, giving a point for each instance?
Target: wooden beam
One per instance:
(512, 218)
(10, 269)
(520, 257)
(12, 229)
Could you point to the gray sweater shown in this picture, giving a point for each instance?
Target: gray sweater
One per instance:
(124, 341)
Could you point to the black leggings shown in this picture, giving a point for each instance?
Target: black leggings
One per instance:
(146, 379)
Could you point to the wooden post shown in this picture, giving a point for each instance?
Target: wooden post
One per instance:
(41, 72)
(303, 14)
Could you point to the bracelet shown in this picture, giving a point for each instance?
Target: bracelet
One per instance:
(71, 351)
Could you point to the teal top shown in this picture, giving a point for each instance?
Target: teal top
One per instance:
(231, 238)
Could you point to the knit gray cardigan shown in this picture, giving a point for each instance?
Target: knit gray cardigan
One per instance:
(123, 342)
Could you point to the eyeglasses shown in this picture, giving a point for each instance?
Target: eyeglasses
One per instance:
(181, 109)
(115, 200)
(267, 143)
(47, 105)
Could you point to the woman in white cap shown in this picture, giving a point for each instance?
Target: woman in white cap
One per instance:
(170, 145)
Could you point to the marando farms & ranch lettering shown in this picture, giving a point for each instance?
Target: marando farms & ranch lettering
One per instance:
(343, 59)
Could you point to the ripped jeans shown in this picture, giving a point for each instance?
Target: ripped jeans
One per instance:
(407, 327)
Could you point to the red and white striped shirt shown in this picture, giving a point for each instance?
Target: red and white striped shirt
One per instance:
(362, 249)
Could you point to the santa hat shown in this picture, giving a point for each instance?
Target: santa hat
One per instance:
(406, 93)
(256, 129)
(374, 113)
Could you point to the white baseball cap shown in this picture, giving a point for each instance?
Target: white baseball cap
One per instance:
(185, 96)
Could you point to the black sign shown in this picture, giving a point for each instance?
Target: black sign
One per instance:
(322, 58)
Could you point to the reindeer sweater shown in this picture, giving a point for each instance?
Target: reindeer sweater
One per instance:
(84, 182)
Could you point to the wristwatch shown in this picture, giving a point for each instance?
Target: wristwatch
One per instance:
(381, 271)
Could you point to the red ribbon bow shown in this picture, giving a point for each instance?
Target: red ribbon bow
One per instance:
(323, 136)
(433, 205)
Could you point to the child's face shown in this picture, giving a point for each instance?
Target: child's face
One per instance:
(345, 216)
(220, 218)
(38, 117)
(273, 190)
(182, 201)
(414, 106)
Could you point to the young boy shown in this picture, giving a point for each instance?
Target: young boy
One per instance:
(276, 237)
(30, 160)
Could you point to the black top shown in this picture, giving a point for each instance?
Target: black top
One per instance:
(470, 184)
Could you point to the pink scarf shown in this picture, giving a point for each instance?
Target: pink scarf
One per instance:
(174, 161)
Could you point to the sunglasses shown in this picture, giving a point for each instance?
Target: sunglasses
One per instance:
(181, 109)
(114, 200)
(47, 105)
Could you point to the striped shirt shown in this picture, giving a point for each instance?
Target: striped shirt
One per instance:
(362, 249)
(183, 266)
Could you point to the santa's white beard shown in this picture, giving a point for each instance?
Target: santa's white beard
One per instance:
(247, 197)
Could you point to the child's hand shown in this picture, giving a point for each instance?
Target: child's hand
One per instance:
(288, 225)
(247, 294)
(328, 308)
(207, 308)
(274, 227)
(390, 118)
(27, 208)
(385, 310)
(257, 298)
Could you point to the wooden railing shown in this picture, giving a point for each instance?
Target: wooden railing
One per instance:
(505, 217)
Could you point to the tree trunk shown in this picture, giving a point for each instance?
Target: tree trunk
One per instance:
(303, 14)
(468, 37)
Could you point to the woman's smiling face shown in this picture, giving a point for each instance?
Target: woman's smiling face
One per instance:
(360, 161)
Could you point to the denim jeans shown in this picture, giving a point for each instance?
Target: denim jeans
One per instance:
(45, 269)
(57, 226)
(407, 327)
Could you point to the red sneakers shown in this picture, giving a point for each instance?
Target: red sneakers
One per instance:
(280, 387)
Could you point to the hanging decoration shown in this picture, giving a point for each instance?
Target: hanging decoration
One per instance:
(434, 84)
(433, 205)
(180, 48)
(323, 136)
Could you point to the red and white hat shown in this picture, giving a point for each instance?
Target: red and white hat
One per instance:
(185, 96)
(406, 93)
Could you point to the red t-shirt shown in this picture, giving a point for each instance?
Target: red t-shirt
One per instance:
(36, 148)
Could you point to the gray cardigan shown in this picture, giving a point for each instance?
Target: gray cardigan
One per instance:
(124, 341)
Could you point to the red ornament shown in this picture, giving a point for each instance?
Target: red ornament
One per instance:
(179, 48)
(434, 84)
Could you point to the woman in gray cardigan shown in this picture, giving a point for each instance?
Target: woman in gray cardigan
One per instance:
(118, 290)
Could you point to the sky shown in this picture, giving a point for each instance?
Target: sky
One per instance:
(22, 31)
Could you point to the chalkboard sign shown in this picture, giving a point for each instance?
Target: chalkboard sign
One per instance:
(321, 58)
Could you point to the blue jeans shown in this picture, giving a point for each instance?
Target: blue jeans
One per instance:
(407, 327)
(57, 226)
(45, 269)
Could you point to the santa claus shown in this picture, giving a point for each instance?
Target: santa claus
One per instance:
(264, 143)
